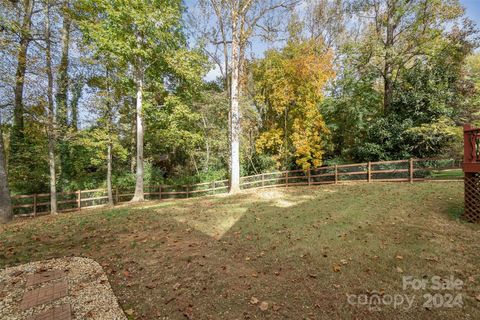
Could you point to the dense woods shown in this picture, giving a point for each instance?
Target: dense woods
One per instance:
(132, 93)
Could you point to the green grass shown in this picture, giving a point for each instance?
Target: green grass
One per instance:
(301, 250)
(448, 174)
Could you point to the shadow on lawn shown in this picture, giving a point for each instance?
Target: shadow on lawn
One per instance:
(299, 250)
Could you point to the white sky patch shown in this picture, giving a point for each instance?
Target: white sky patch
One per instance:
(213, 74)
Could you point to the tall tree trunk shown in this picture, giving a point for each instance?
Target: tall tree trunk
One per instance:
(76, 94)
(387, 89)
(234, 115)
(138, 196)
(17, 133)
(109, 173)
(62, 92)
(133, 149)
(51, 116)
(6, 213)
(207, 145)
(387, 72)
(109, 147)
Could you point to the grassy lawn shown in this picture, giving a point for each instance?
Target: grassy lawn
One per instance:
(448, 174)
(300, 250)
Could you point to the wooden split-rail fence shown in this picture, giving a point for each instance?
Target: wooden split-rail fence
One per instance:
(412, 170)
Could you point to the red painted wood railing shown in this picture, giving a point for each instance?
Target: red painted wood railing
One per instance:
(471, 160)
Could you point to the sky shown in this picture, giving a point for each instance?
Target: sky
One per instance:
(472, 10)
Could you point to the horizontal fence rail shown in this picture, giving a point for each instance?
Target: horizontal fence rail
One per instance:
(412, 170)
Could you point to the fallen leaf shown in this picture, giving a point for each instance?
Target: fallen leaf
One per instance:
(176, 286)
(188, 312)
(17, 273)
(399, 257)
(254, 300)
(343, 261)
(129, 312)
(276, 307)
(150, 286)
(399, 270)
(337, 268)
(169, 300)
(264, 306)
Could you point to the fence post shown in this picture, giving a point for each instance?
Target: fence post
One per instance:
(286, 179)
(336, 174)
(369, 172)
(79, 200)
(263, 179)
(308, 175)
(410, 170)
(116, 195)
(160, 192)
(35, 205)
(188, 191)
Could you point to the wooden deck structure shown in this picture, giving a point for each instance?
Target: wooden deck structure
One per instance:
(471, 168)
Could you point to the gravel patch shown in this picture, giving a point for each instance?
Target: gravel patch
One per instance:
(89, 292)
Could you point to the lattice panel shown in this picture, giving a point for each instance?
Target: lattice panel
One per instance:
(472, 197)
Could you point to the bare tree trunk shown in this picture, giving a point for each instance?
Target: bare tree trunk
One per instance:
(6, 213)
(234, 114)
(17, 133)
(109, 147)
(51, 117)
(76, 94)
(138, 196)
(62, 108)
(133, 134)
(387, 72)
(109, 174)
(207, 144)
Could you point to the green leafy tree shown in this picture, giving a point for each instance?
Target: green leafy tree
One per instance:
(401, 32)
(147, 36)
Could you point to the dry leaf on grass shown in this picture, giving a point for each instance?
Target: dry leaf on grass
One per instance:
(254, 300)
(399, 270)
(188, 313)
(264, 306)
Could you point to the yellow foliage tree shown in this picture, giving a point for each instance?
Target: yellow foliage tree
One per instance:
(289, 86)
